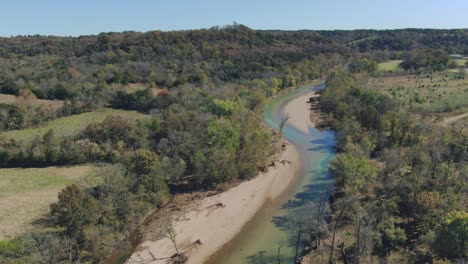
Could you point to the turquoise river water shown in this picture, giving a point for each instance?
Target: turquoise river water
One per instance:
(259, 240)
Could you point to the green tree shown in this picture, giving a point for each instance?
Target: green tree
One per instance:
(353, 174)
(145, 178)
(225, 133)
(451, 241)
(74, 210)
(224, 107)
(390, 237)
(363, 65)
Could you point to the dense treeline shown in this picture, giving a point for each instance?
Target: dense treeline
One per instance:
(95, 71)
(429, 60)
(451, 40)
(400, 182)
(85, 67)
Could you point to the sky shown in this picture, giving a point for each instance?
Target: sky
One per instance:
(84, 17)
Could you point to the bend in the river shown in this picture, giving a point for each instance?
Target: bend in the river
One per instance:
(259, 240)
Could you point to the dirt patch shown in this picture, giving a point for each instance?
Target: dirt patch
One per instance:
(320, 120)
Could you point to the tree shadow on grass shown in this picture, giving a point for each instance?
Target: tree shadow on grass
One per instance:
(43, 221)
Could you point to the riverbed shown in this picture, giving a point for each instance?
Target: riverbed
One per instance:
(259, 240)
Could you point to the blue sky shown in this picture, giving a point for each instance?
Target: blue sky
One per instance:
(81, 17)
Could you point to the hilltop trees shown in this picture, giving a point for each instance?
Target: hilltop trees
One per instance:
(91, 68)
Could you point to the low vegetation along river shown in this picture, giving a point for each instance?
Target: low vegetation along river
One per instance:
(260, 239)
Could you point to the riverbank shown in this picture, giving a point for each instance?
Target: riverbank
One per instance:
(212, 222)
(205, 226)
(298, 112)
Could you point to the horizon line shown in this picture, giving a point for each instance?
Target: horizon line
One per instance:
(216, 26)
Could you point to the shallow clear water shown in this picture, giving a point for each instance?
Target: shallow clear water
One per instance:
(258, 242)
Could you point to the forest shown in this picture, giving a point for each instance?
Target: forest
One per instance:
(400, 182)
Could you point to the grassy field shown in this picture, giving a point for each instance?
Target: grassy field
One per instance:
(390, 66)
(25, 194)
(70, 125)
(440, 92)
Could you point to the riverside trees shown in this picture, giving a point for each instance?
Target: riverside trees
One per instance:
(186, 147)
(404, 177)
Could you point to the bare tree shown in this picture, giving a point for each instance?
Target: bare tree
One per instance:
(171, 234)
(299, 230)
(284, 119)
(296, 226)
(70, 250)
(365, 223)
(317, 228)
(178, 257)
(338, 219)
(278, 258)
(458, 128)
(48, 247)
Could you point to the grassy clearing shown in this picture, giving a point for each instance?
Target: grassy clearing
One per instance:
(70, 125)
(461, 62)
(390, 66)
(441, 92)
(25, 194)
(13, 99)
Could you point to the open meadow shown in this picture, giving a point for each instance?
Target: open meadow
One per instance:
(26, 194)
(461, 62)
(390, 66)
(439, 92)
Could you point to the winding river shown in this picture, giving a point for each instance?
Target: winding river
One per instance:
(259, 240)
